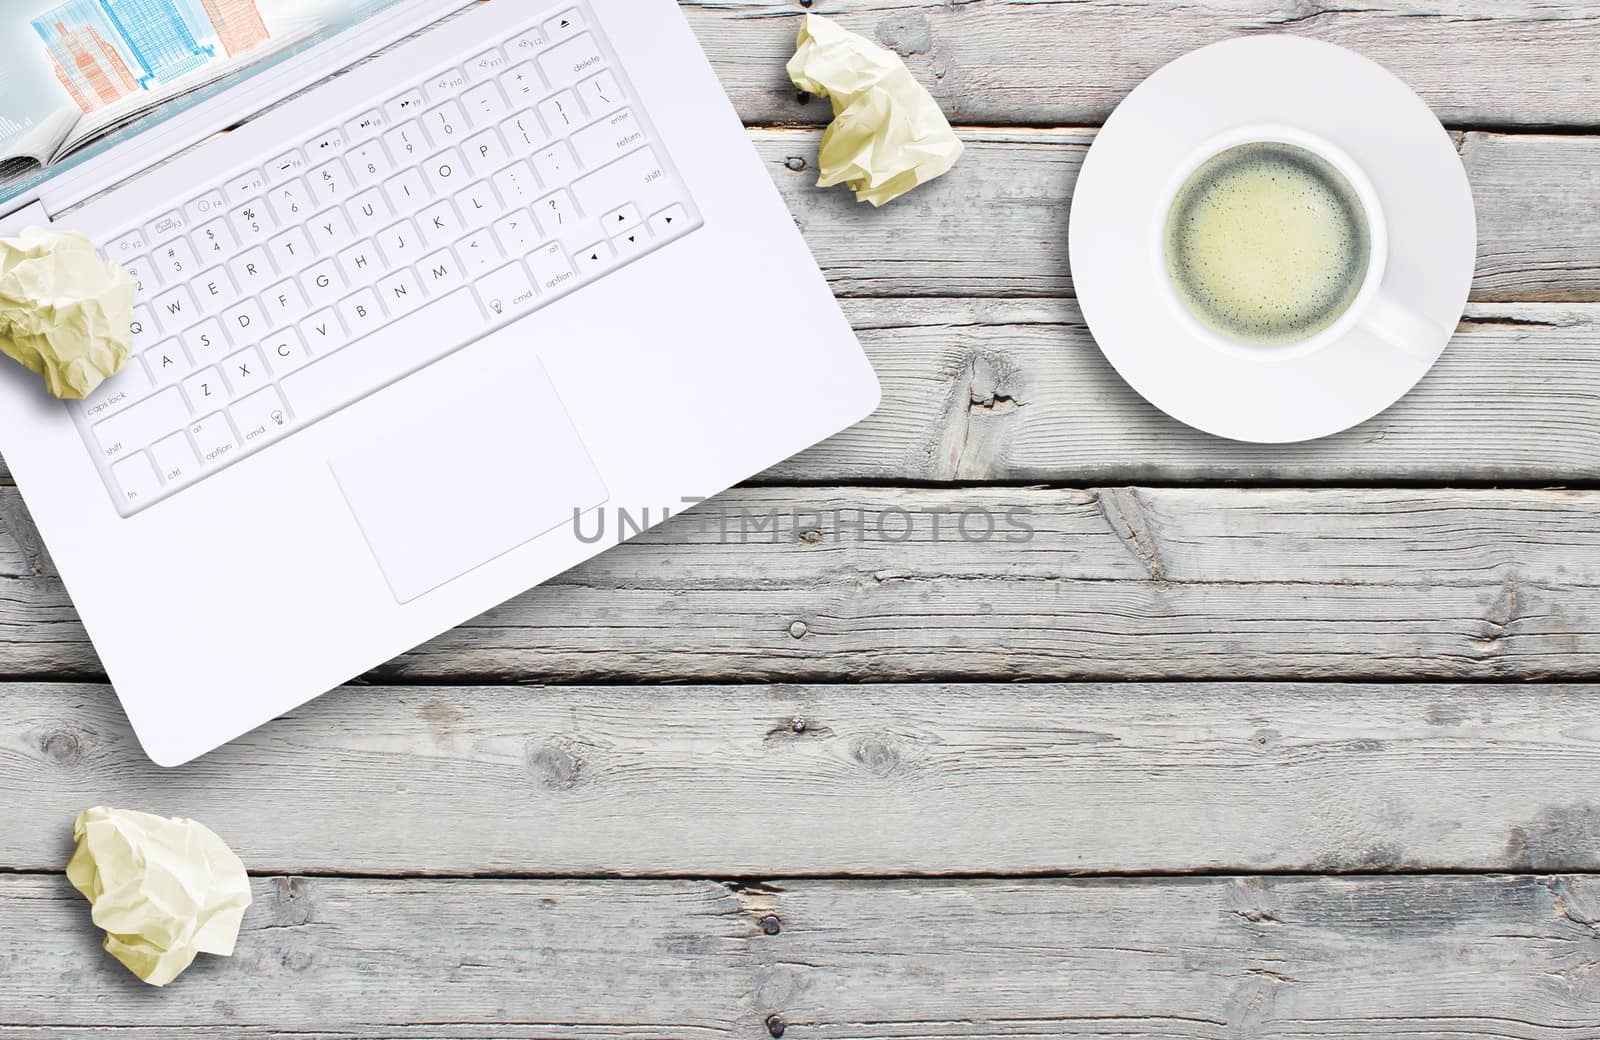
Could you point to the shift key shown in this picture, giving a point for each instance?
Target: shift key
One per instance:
(637, 178)
(142, 424)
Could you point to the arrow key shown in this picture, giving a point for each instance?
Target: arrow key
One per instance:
(630, 242)
(669, 222)
(595, 259)
(621, 219)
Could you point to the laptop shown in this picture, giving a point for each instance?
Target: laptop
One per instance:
(399, 332)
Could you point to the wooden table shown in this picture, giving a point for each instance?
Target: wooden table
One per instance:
(1242, 741)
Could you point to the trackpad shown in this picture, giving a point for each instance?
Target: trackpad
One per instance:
(479, 475)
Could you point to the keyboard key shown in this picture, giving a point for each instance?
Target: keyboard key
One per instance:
(126, 247)
(369, 164)
(595, 259)
(208, 205)
(130, 384)
(137, 478)
(167, 362)
(284, 303)
(261, 417)
(244, 321)
(143, 328)
(331, 143)
(361, 263)
(166, 226)
(523, 132)
(215, 440)
(175, 459)
(401, 293)
(446, 84)
(600, 94)
(407, 143)
(516, 184)
(487, 65)
(445, 173)
(517, 233)
(523, 84)
(485, 153)
(206, 390)
(562, 113)
(477, 204)
(621, 219)
(508, 292)
(285, 352)
(400, 244)
(252, 223)
(331, 231)
(406, 106)
(638, 178)
(429, 334)
(205, 342)
(252, 270)
(564, 24)
(365, 126)
(146, 277)
(445, 124)
(330, 183)
(291, 203)
(555, 164)
(323, 283)
(479, 254)
(485, 105)
(370, 211)
(439, 224)
(441, 273)
(216, 240)
(175, 307)
(292, 250)
(213, 290)
(289, 166)
(552, 272)
(631, 242)
(244, 186)
(556, 212)
(572, 61)
(245, 372)
(323, 332)
(141, 424)
(611, 138)
(669, 221)
(362, 313)
(527, 44)
(408, 192)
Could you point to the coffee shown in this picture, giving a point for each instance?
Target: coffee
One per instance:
(1268, 244)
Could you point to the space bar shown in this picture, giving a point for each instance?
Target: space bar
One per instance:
(387, 355)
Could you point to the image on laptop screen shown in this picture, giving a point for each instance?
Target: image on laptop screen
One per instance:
(78, 76)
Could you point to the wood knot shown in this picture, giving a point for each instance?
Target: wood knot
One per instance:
(557, 763)
(63, 747)
(878, 755)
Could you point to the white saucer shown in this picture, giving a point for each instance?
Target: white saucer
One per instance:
(1347, 100)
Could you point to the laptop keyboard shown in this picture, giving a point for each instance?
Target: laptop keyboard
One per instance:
(511, 176)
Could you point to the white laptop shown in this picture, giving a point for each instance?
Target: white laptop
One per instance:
(397, 332)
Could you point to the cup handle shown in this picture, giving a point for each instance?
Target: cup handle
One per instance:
(1404, 329)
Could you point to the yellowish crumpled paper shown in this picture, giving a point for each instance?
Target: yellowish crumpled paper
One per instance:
(163, 890)
(65, 313)
(888, 134)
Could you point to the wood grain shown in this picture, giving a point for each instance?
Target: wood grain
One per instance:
(996, 225)
(737, 781)
(1478, 63)
(1437, 957)
(773, 584)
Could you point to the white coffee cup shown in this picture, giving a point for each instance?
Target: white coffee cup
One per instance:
(1373, 310)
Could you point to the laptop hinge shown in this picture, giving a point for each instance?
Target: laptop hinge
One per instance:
(31, 215)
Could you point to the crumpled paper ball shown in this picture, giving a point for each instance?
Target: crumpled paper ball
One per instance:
(65, 313)
(163, 890)
(888, 134)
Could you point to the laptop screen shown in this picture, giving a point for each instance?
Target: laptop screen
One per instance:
(79, 76)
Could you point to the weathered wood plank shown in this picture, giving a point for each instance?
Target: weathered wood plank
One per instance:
(773, 584)
(997, 224)
(1429, 957)
(740, 781)
(1479, 63)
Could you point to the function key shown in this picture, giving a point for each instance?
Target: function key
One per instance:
(207, 207)
(166, 226)
(245, 186)
(563, 25)
(487, 65)
(286, 167)
(407, 105)
(528, 44)
(446, 84)
(329, 144)
(366, 125)
(128, 246)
